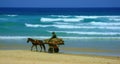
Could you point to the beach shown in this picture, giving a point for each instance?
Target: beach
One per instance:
(32, 57)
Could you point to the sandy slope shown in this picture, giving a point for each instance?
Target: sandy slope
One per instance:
(28, 57)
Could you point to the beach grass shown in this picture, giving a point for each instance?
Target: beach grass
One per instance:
(32, 57)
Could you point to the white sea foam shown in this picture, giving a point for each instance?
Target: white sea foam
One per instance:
(117, 19)
(63, 16)
(22, 37)
(79, 16)
(103, 23)
(76, 18)
(12, 15)
(61, 23)
(13, 37)
(90, 37)
(89, 33)
(46, 37)
(73, 26)
(85, 27)
(49, 19)
(110, 18)
(92, 17)
(113, 17)
(60, 19)
(36, 25)
(58, 26)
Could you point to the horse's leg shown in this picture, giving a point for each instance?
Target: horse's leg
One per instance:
(53, 49)
(44, 47)
(36, 48)
(41, 48)
(32, 47)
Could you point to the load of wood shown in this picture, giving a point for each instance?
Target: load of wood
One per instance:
(54, 41)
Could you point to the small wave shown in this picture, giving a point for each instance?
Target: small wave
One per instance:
(85, 27)
(61, 16)
(35, 25)
(12, 15)
(100, 18)
(60, 19)
(50, 19)
(116, 19)
(58, 26)
(79, 18)
(111, 17)
(61, 23)
(90, 37)
(92, 17)
(46, 37)
(103, 23)
(89, 33)
(22, 37)
(72, 26)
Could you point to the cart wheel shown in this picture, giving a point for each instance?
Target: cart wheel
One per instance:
(56, 50)
(50, 50)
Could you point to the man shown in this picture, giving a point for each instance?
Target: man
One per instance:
(53, 36)
(53, 48)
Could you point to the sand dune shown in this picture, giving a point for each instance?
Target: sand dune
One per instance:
(28, 57)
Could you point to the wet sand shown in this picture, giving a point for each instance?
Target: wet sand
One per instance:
(32, 57)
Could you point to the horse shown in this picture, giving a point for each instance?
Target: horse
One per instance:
(35, 43)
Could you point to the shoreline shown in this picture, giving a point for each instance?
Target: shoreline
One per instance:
(62, 53)
(67, 50)
(89, 47)
(25, 57)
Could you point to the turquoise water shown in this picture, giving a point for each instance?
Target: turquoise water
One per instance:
(63, 25)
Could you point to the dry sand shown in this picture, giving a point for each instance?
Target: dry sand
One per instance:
(29, 57)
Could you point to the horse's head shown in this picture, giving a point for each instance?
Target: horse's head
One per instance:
(28, 40)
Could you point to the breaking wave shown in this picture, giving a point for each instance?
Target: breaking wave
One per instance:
(72, 26)
(89, 33)
(11, 15)
(79, 18)
(35, 25)
(103, 23)
(64, 37)
(22, 37)
(60, 19)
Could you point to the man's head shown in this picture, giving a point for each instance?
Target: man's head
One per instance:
(53, 32)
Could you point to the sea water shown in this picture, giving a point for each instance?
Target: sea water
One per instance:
(80, 29)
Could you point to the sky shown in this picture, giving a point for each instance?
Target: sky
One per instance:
(59, 3)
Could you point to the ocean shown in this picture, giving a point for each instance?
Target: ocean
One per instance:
(93, 31)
